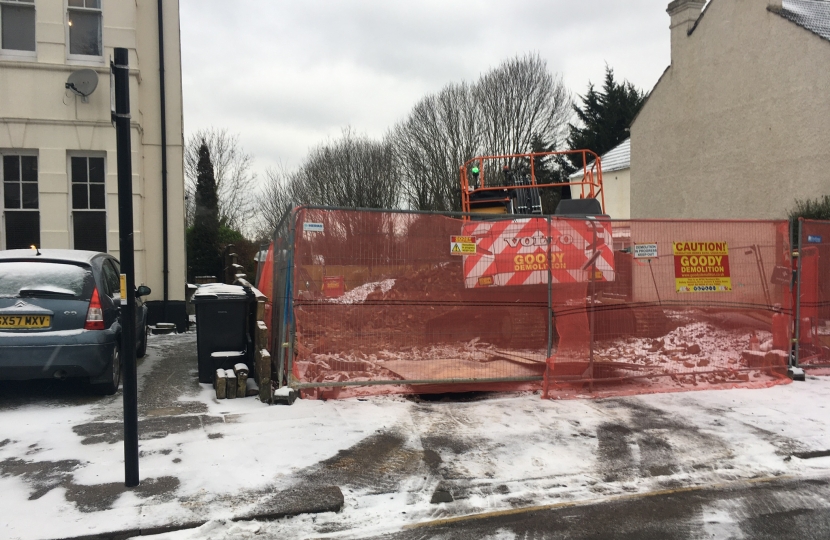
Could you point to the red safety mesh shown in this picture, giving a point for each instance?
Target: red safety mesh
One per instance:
(266, 283)
(814, 308)
(266, 275)
(693, 306)
(380, 301)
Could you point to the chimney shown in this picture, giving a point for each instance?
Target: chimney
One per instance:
(684, 14)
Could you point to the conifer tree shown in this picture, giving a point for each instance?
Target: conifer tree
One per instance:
(605, 116)
(204, 256)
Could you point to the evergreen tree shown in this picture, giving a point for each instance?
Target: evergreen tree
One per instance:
(203, 248)
(604, 116)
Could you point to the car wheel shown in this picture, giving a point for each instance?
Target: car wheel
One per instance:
(114, 369)
(141, 351)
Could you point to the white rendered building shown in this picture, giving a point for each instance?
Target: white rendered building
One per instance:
(58, 148)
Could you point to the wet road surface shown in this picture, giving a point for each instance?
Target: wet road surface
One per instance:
(782, 509)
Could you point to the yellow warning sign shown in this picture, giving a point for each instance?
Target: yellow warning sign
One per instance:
(701, 267)
(462, 245)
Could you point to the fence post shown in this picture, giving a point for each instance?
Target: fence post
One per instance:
(550, 290)
(278, 267)
(289, 301)
(592, 320)
(798, 295)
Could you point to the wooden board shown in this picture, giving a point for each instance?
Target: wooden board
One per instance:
(416, 370)
(517, 357)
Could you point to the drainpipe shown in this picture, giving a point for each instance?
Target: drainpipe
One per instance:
(164, 270)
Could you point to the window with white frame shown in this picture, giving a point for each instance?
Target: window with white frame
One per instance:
(17, 25)
(84, 19)
(20, 201)
(89, 209)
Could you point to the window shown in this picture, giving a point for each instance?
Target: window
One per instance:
(89, 214)
(17, 25)
(15, 277)
(112, 281)
(84, 19)
(20, 201)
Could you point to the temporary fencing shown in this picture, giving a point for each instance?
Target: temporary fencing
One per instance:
(813, 294)
(368, 302)
(694, 304)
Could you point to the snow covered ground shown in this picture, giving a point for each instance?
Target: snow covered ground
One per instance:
(61, 464)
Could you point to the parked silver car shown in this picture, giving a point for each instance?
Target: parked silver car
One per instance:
(60, 316)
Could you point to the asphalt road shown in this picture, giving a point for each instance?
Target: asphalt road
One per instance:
(778, 509)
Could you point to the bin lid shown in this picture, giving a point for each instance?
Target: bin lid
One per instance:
(219, 291)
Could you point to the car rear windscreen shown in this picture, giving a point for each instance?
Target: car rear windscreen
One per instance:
(42, 278)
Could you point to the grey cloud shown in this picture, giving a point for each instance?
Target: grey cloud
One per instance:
(288, 74)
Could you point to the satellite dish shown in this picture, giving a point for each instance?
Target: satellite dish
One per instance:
(82, 83)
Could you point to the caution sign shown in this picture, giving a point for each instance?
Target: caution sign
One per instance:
(462, 245)
(701, 267)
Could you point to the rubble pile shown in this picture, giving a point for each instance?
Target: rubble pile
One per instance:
(351, 337)
(696, 352)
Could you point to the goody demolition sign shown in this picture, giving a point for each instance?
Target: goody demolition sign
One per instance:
(462, 245)
(701, 267)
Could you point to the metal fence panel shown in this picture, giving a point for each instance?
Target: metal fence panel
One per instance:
(391, 301)
(813, 310)
(695, 304)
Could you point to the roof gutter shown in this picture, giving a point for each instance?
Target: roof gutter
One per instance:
(165, 269)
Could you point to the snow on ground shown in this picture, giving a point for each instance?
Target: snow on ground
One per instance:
(496, 452)
(358, 294)
(542, 452)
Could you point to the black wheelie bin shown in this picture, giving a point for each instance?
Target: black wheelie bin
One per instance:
(222, 329)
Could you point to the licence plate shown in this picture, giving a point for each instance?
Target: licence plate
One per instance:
(25, 321)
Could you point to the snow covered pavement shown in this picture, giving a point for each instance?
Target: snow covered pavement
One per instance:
(393, 458)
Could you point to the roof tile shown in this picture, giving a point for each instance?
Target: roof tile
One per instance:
(814, 15)
(616, 159)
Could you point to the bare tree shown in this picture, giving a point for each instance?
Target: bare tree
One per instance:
(511, 109)
(352, 171)
(276, 198)
(439, 135)
(235, 182)
(520, 100)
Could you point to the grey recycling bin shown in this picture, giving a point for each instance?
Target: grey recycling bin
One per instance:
(222, 336)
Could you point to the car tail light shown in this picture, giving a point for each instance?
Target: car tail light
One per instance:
(95, 314)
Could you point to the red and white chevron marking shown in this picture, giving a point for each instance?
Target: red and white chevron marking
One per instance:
(515, 252)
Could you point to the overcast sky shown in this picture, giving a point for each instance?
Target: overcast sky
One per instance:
(289, 75)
